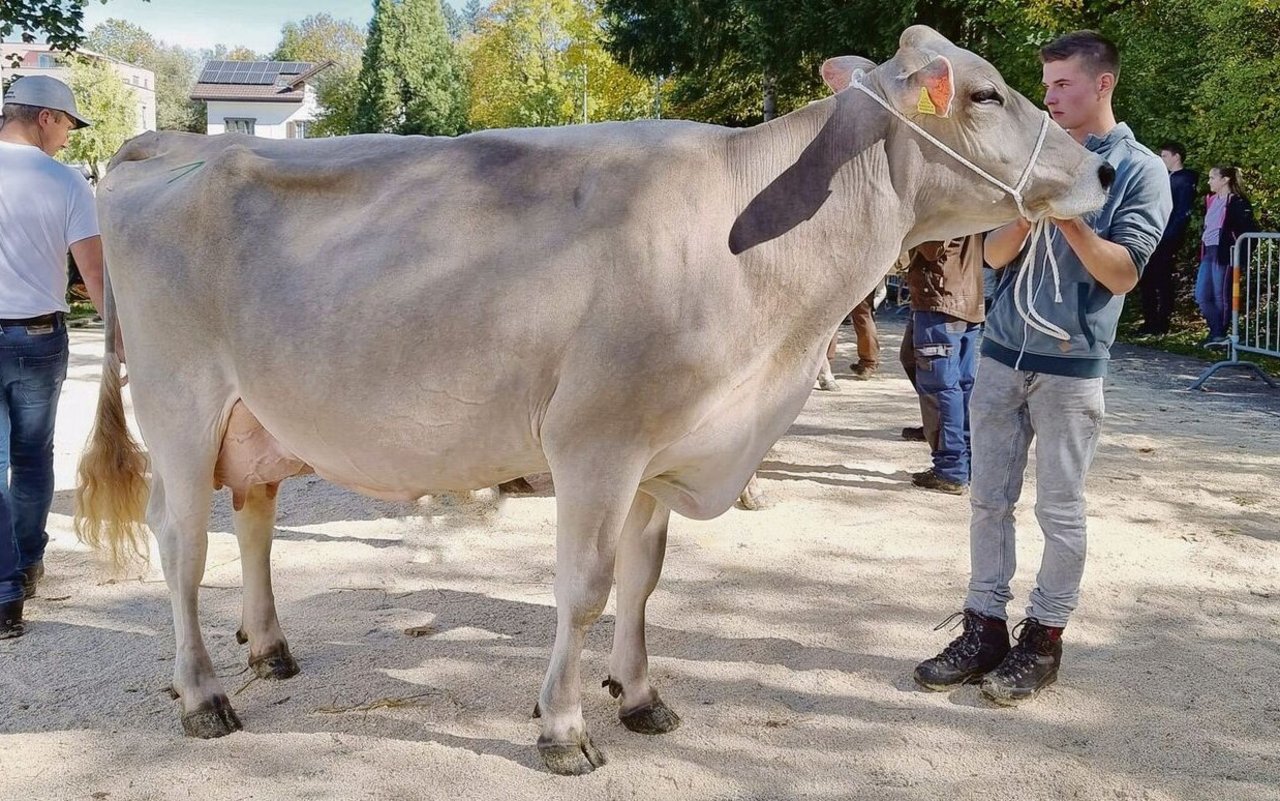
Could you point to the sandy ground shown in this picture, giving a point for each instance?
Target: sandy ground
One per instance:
(784, 638)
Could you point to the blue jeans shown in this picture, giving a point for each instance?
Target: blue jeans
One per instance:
(942, 371)
(33, 365)
(1064, 417)
(1213, 294)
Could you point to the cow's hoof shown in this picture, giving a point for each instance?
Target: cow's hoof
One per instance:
(241, 637)
(827, 383)
(655, 718)
(516, 486)
(753, 499)
(275, 666)
(537, 710)
(211, 719)
(571, 759)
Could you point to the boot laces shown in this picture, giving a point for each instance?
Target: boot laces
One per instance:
(1022, 657)
(963, 647)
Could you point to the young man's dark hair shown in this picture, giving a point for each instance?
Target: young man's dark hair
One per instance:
(1176, 149)
(1096, 51)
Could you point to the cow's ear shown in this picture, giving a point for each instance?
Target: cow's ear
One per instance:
(839, 72)
(928, 89)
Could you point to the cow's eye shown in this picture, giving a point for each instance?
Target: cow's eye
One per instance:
(987, 96)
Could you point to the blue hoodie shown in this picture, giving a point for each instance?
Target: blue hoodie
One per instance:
(1136, 212)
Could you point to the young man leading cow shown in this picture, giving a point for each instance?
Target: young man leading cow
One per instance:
(1045, 352)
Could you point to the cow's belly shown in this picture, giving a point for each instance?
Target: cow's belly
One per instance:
(703, 474)
(388, 458)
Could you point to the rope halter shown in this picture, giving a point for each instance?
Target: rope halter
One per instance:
(1040, 229)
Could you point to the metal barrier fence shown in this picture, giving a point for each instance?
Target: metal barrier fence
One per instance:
(1255, 304)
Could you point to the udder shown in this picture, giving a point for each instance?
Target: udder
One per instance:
(250, 456)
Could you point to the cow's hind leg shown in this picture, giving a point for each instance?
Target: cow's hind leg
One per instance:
(269, 655)
(178, 513)
(593, 504)
(638, 565)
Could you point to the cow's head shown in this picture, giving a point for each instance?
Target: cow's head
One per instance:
(960, 99)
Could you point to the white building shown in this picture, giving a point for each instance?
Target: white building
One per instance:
(271, 99)
(40, 59)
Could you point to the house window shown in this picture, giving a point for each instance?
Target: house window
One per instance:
(242, 125)
(296, 130)
(46, 61)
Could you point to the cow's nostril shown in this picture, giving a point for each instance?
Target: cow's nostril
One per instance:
(1106, 174)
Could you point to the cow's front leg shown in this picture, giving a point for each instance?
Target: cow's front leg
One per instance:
(268, 650)
(639, 563)
(179, 513)
(591, 510)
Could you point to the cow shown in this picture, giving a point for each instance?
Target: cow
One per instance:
(638, 308)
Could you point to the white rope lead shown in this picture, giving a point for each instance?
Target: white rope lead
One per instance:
(1039, 231)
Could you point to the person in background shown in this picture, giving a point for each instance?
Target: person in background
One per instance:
(940, 352)
(1228, 214)
(1157, 284)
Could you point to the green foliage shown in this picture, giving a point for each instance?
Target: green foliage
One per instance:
(60, 22)
(105, 100)
(411, 81)
(175, 69)
(536, 62)
(318, 38)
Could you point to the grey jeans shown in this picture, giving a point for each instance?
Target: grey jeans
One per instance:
(1008, 409)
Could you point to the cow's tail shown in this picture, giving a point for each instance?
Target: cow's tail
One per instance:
(111, 485)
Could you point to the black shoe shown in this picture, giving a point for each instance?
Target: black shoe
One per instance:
(980, 648)
(30, 578)
(1031, 665)
(915, 434)
(863, 372)
(11, 620)
(931, 480)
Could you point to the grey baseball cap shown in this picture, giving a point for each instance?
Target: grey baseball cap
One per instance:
(45, 92)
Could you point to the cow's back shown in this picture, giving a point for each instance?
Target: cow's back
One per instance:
(364, 284)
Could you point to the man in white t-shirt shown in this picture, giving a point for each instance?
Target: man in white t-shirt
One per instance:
(46, 210)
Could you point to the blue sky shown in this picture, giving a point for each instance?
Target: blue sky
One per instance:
(203, 23)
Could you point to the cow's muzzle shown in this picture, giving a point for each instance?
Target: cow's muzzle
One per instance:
(1106, 175)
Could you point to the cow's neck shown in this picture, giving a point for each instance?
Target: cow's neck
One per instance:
(821, 212)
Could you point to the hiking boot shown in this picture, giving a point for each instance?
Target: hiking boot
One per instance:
(1031, 665)
(915, 434)
(11, 620)
(982, 646)
(30, 578)
(863, 372)
(931, 480)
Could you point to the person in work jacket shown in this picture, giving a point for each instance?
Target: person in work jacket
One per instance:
(940, 353)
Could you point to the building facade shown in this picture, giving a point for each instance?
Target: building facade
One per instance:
(40, 59)
(270, 99)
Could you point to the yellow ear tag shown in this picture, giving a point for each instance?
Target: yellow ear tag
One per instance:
(925, 104)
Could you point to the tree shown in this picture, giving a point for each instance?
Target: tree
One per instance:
(453, 21)
(410, 80)
(60, 21)
(320, 37)
(105, 100)
(537, 62)
(242, 53)
(174, 68)
(472, 14)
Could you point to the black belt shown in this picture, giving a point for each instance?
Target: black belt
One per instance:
(44, 319)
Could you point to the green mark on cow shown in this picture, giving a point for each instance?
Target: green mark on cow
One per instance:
(188, 169)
